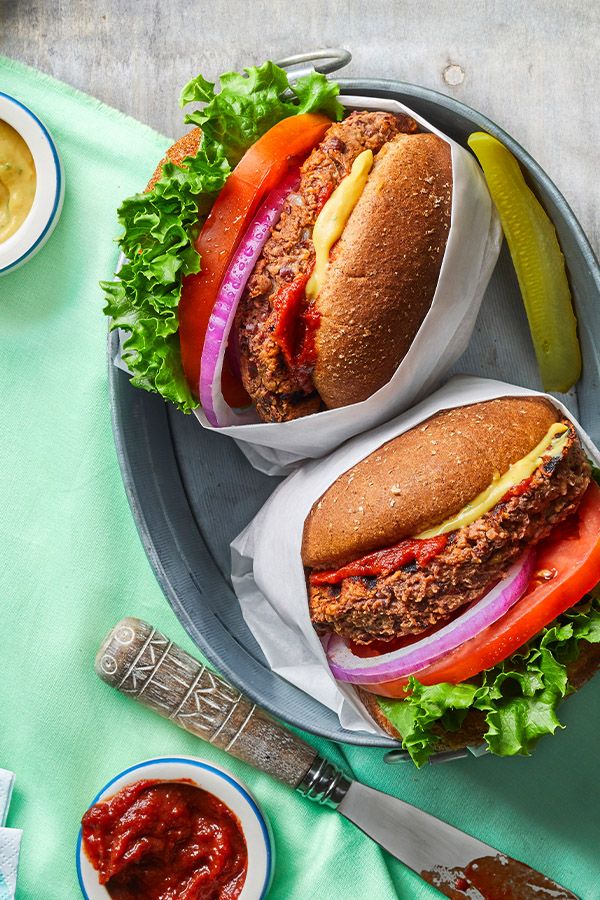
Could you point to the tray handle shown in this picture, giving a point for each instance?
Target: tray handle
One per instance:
(324, 61)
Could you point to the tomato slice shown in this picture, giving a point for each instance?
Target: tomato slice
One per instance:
(261, 168)
(568, 566)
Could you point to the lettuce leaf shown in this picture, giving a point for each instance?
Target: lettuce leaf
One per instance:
(159, 229)
(160, 226)
(518, 698)
(248, 105)
(446, 704)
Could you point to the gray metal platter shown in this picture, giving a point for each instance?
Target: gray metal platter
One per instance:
(192, 491)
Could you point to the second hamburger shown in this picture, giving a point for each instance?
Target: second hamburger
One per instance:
(455, 561)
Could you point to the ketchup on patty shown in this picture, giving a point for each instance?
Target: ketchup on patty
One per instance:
(166, 840)
(384, 562)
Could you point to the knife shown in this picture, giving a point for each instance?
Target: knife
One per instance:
(142, 663)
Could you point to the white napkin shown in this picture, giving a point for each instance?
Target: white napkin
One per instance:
(7, 780)
(472, 249)
(267, 571)
(10, 840)
(10, 845)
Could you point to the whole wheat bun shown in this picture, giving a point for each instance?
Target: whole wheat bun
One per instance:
(177, 152)
(422, 477)
(474, 726)
(384, 269)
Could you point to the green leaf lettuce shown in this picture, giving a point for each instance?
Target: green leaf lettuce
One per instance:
(248, 105)
(160, 226)
(519, 698)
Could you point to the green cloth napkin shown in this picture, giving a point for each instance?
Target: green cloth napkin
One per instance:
(71, 565)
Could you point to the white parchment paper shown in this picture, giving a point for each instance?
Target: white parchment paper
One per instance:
(267, 570)
(471, 252)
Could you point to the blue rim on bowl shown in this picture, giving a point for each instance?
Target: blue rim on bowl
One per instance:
(50, 187)
(216, 780)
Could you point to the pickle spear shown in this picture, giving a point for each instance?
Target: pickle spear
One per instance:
(539, 264)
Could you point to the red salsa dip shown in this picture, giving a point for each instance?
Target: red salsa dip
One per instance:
(166, 840)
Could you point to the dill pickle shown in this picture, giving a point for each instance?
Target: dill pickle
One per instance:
(539, 264)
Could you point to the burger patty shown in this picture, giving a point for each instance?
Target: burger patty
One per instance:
(413, 599)
(278, 393)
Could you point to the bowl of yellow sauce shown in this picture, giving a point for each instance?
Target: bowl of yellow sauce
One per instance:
(31, 184)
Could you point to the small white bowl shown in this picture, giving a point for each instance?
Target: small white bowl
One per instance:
(216, 781)
(50, 186)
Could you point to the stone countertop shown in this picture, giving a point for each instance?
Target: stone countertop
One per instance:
(533, 67)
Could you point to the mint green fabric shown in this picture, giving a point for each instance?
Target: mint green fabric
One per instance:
(71, 565)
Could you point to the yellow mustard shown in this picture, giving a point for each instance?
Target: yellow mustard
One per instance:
(332, 219)
(552, 444)
(17, 181)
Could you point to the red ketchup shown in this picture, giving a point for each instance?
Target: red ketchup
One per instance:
(495, 878)
(384, 562)
(297, 321)
(521, 488)
(160, 840)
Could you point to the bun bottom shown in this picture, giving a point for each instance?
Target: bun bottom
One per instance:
(187, 145)
(474, 726)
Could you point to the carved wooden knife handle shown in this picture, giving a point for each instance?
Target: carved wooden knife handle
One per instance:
(141, 662)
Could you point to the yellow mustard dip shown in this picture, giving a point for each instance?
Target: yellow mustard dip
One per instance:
(17, 181)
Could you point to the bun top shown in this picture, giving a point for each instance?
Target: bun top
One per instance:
(422, 477)
(383, 271)
(187, 145)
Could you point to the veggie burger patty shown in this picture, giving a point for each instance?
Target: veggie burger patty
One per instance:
(414, 597)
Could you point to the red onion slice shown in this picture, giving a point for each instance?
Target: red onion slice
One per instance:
(345, 666)
(217, 411)
(232, 354)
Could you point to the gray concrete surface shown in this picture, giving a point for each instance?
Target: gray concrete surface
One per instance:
(532, 66)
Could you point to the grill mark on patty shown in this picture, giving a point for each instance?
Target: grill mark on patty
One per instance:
(279, 394)
(408, 602)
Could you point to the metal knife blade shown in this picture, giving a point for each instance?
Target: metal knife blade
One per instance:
(457, 864)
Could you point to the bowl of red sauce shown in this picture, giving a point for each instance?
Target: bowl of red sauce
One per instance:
(174, 827)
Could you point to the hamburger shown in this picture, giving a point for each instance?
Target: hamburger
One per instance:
(354, 320)
(452, 576)
(285, 252)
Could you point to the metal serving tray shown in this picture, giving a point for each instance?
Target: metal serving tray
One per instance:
(192, 491)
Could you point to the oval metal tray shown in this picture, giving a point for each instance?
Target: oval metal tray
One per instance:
(192, 491)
